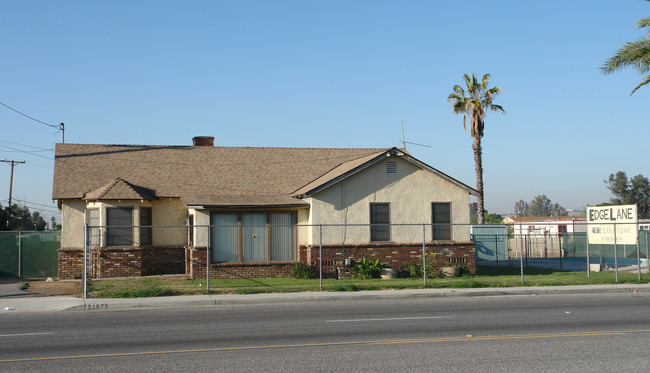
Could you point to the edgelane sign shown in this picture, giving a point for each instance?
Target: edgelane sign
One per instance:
(601, 221)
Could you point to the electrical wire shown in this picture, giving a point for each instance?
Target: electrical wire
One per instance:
(27, 116)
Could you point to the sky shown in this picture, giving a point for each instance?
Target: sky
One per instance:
(329, 74)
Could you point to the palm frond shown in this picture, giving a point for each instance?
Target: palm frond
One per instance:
(497, 108)
(485, 81)
(628, 55)
(643, 22)
(645, 81)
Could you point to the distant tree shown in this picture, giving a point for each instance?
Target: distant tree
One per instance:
(522, 208)
(635, 54)
(539, 206)
(489, 218)
(473, 101)
(493, 218)
(20, 219)
(635, 191)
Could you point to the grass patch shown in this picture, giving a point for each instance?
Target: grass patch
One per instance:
(488, 277)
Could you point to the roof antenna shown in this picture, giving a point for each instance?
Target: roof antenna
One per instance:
(404, 142)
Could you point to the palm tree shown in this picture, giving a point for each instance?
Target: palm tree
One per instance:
(474, 102)
(635, 54)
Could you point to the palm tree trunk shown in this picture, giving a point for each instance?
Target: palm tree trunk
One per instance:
(478, 165)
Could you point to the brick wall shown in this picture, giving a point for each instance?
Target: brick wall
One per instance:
(126, 261)
(197, 264)
(70, 263)
(391, 255)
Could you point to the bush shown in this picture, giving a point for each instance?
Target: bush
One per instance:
(303, 271)
(414, 270)
(367, 269)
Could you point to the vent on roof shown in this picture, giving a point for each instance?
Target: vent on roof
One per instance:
(391, 167)
(203, 141)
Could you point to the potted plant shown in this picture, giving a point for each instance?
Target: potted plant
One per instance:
(449, 270)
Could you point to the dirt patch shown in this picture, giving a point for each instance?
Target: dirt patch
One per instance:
(51, 288)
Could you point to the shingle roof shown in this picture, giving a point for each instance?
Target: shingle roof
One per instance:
(199, 175)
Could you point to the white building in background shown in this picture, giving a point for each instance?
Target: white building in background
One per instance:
(545, 225)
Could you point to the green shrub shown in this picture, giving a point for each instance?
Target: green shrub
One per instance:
(303, 271)
(367, 269)
(414, 270)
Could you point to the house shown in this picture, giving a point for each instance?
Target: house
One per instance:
(250, 211)
(545, 225)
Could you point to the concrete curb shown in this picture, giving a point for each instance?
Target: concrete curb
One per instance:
(50, 304)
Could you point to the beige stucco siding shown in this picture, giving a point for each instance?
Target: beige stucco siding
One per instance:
(169, 212)
(410, 192)
(73, 218)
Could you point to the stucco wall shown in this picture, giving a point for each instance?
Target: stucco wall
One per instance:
(410, 192)
(72, 223)
(165, 212)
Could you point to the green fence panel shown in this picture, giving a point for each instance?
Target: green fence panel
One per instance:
(29, 254)
(9, 254)
(40, 254)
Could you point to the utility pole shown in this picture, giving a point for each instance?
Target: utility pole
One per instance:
(11, 183)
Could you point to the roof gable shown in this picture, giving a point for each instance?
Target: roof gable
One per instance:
(347, 169)
(120, 189)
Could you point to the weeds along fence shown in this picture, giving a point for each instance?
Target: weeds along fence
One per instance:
(29, 254)
(270, 248)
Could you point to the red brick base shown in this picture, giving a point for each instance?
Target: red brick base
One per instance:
(127, 261)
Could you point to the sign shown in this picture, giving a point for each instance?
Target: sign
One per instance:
(601, 221)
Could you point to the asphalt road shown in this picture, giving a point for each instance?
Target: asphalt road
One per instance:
(604, 332)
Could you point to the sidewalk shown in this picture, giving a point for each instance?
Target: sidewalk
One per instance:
(63, 303)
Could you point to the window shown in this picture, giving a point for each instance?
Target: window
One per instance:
(119, 221)
(561, 228)
(146, 232)
(253, 236)
(93, 224)
(441, 220)
(379, 222)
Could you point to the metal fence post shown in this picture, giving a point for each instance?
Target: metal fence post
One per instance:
(521, 258)
(424, 254)
(20, 255)
(638, 256)
(320, 257)
(85, 260)
(647, 251)
(615, 254)
(588, 261)
(207, 263)
(561, 254)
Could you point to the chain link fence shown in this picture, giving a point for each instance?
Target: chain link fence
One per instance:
(250, 250)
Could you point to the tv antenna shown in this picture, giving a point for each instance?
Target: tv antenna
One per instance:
(404, 142)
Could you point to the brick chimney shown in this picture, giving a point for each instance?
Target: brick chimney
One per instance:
(203, 141)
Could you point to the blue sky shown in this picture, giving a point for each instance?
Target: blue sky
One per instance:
(330, 74)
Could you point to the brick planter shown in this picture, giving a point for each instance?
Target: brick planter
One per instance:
(390, 254)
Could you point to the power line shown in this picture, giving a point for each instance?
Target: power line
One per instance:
(29, 146)
(25, 151)
(27, 116)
